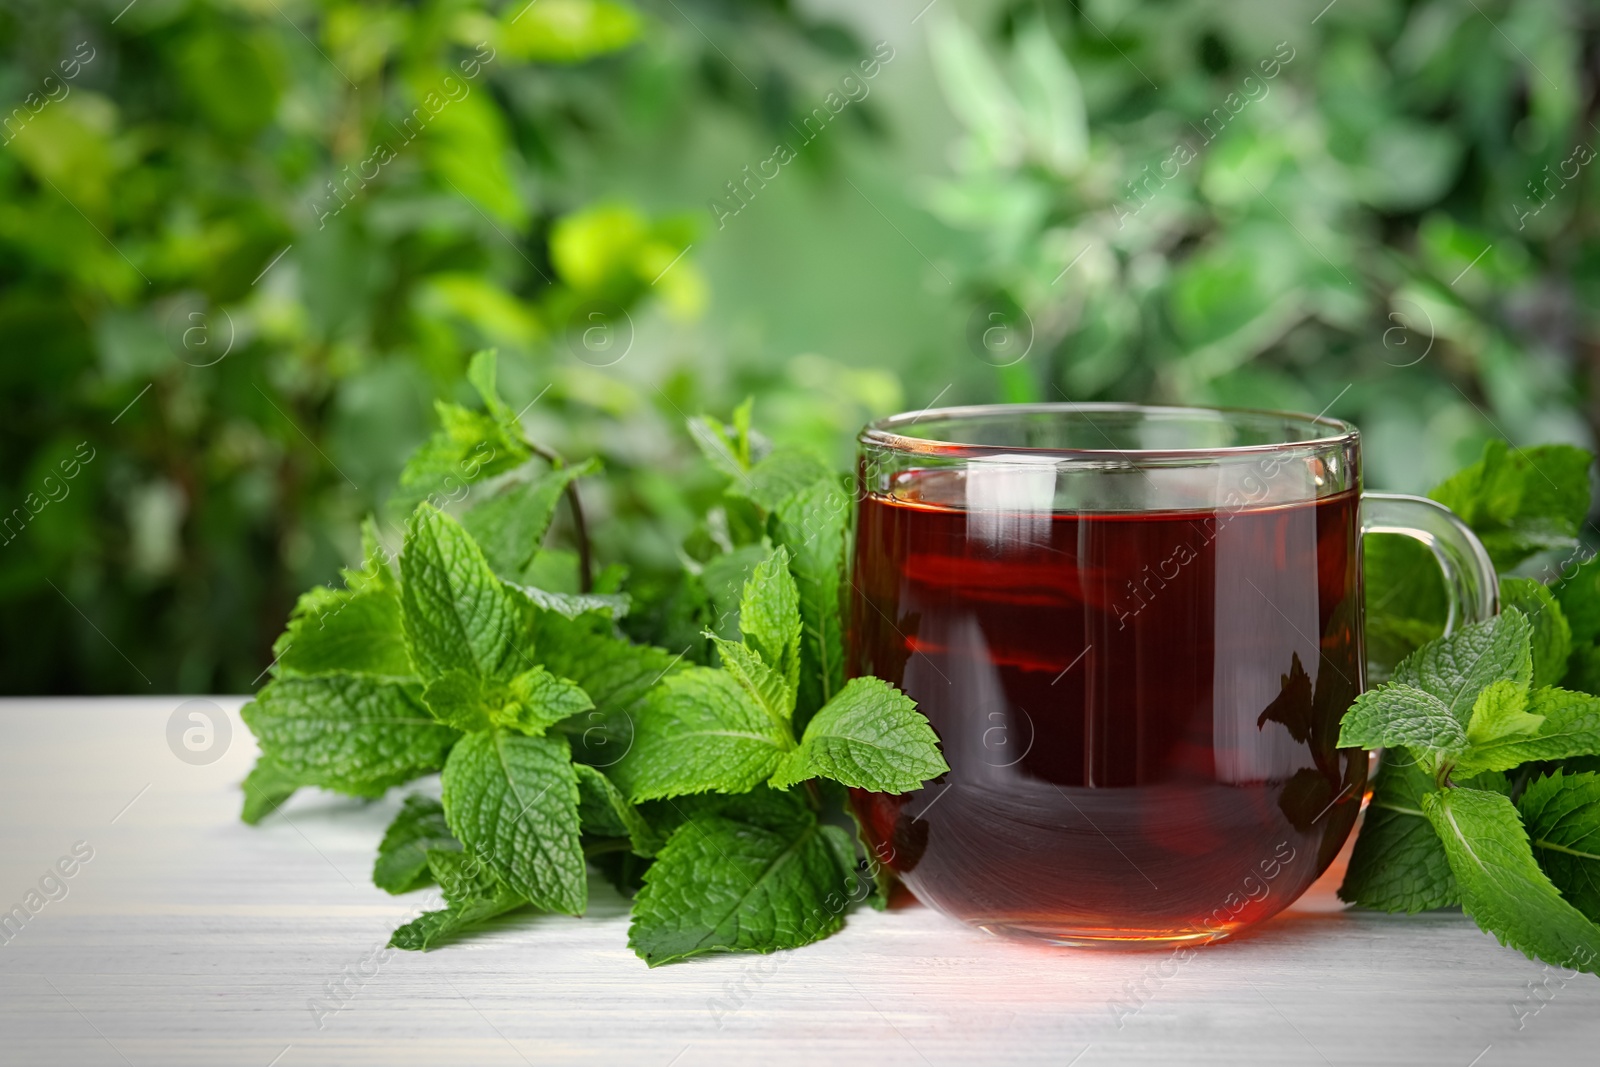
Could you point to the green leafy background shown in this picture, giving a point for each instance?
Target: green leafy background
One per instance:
(248, 369)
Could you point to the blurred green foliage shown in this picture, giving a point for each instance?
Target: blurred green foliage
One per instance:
(245, 244)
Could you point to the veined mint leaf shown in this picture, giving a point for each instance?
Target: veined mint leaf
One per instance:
(1562, 814)
(605, 812)
(347, 732)
(769, 689)
(769, 615)
(538, 701)
(1398, 714)
(1571, 727)
(512, 801)
(1521, 500)
(700, 732)
(402, 863)
(812, 524)
(266, 787)
(1501, 711)
(457, 614)
(753, 879)
(1552, 636)
(342, 632)
(510, 525)
(1456, 667)
(473, 893)
(1501, 885)
(572, 605)
(870, 736)
(782, 473)
(1399, 863)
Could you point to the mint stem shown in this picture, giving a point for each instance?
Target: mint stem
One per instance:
(580, 528)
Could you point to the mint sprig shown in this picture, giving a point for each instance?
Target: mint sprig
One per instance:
(1468, 729)
(704, 780)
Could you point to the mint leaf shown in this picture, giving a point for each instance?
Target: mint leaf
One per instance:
(769, 615)
(482, 370)
(539, 700)
(512, 801)
(812, 525)
(572, 605)
(782, 473)
(402, 863)
(1455, 668)
(727, 452)
(266, 787)
(1501, 885)
(1398, 863)
(1397, 714)
(510, 525)
(769, 689)
(605, 812)
(1552, 636)
(870, 736)
(344, 632)
(474, 896)
(347, 732)
(375, 570)
(468, 447)
(1521, 500)
(701, 732)
(1562, 814)
(759, 877)
(1571, 727)
(724, 578)
(1501, 711)
(457, 614)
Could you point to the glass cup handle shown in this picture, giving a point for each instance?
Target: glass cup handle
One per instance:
(1470, 585)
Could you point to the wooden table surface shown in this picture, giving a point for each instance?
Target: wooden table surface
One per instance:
(190, 938)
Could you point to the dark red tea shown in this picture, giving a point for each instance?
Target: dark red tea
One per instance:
(1140, 711)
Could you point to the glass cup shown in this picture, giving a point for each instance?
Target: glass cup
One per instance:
(1135, 630)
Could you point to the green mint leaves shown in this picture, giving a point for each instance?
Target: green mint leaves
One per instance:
(759, 876)
(1521, 500)
(870, 736)
(706, 781)
(1461, 709)
(512, 801)
(729, 730)
(1486, 795)
(1502, 885)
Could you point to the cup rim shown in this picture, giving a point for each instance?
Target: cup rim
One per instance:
(884, 432)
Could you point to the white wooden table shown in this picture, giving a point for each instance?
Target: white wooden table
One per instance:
(190, 938)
